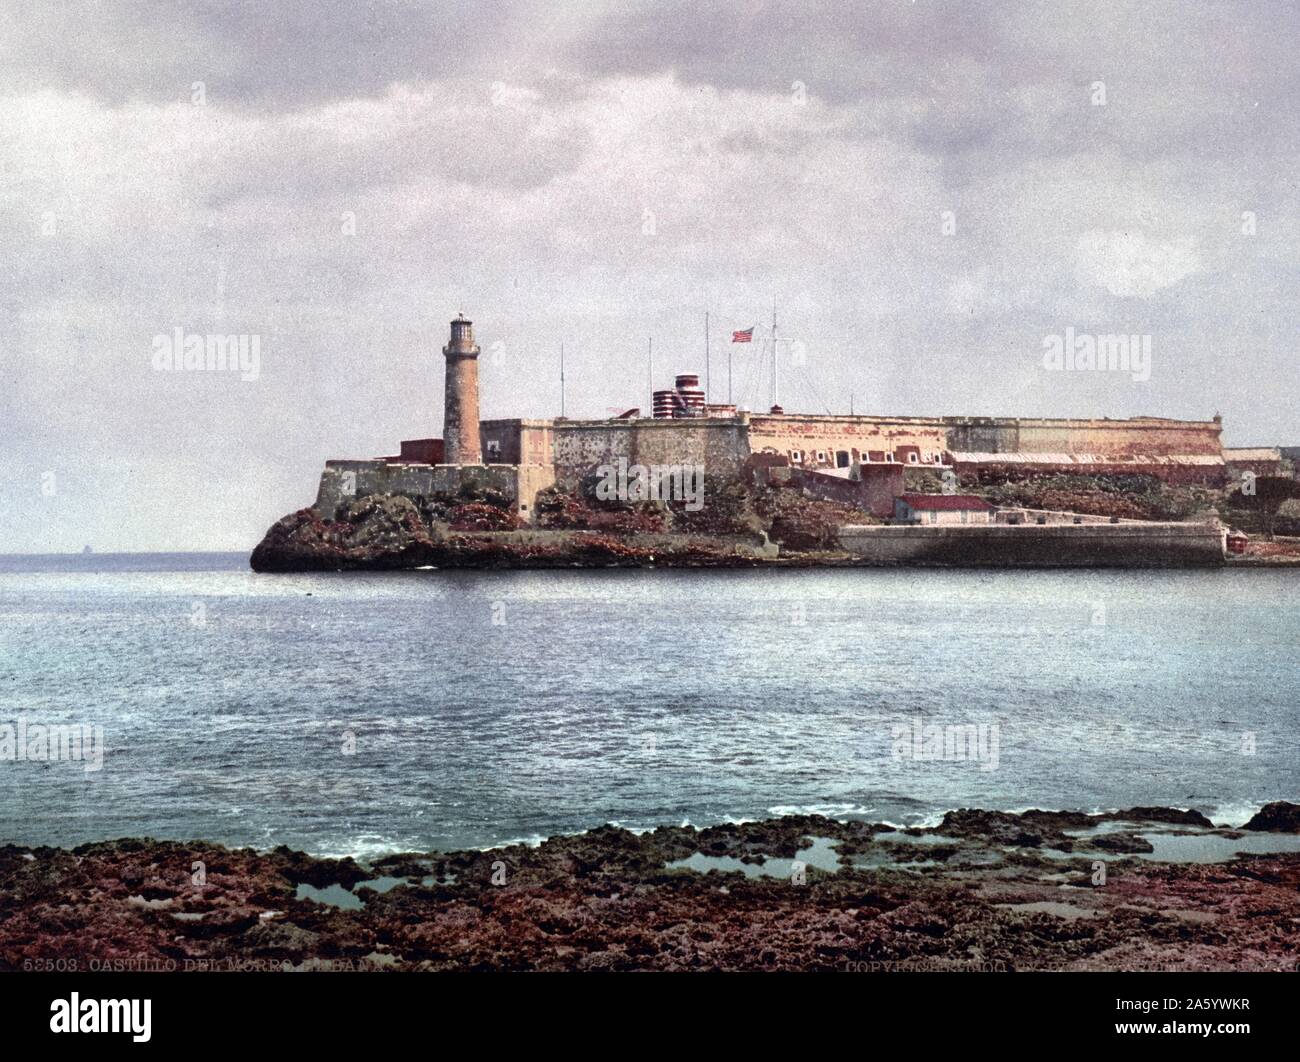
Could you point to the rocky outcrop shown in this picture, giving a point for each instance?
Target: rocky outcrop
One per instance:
(1278, 817)
(384, 531)
(1168, 816)
(479, 528)
(377, 531)
(979, 891)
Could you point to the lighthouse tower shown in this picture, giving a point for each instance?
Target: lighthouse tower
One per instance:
(460, 430)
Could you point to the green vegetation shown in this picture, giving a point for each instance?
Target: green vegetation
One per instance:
(1127, 496)
(1266, 499)
(730, 507)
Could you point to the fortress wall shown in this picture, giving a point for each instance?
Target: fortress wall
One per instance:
(579, 446)
(530, 454)
(582, 446)
(724, 444)
(874, 492)
(537, 444)
(721, 446)
(531, 480)
(855, 434)
(984, 437)
(1052, 545)
(501, 440)
(518, 442)
(1139, 436)
(343, 481)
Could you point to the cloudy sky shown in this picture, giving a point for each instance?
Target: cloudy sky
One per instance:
(927, 189)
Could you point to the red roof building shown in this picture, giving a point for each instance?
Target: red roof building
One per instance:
(942, 509)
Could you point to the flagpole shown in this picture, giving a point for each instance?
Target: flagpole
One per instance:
(706, 357)
(651, 356)
(775, 393)
(729, 346)
(561, 380)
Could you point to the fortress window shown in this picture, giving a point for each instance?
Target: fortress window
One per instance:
(821, 457)
(911, 458)
(796, 456)
(841, 459)
(494, 447)
(889, 456)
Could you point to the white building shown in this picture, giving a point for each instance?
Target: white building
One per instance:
(942, 509)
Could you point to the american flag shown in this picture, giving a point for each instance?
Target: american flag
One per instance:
(747, 336)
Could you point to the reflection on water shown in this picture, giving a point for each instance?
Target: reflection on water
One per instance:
(820, 854)
(1213, 848)
(332, 895)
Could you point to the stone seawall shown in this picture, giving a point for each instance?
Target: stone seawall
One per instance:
(1129, 545)
(1019, 514)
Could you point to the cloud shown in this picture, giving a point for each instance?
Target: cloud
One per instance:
(599, 175)
(1132, 264)
(290, 53)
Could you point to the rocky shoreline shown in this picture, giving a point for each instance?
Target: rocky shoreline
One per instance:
(387, 533)
(982, 890)
(391, 532)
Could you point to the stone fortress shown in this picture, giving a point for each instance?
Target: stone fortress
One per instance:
(855, 458)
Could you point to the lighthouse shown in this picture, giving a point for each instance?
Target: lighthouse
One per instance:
(460, 431)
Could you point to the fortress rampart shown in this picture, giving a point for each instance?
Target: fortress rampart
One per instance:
(518, 457)
(721, 445)
(345, 481)
(812, 441)
(1139, 436)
